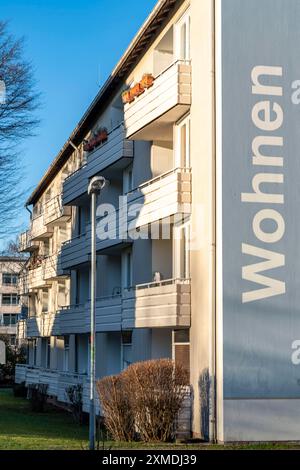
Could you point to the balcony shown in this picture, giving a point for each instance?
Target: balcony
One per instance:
(163, 104)
(40, 231)
(162, 197)
(34, 327)
(158, 199)
(26, 244)
(23, 286)
(36, 277)
(52, 267)
(21, 330)
(76, 318)
(116, 153)
(57, 381)
(75, 252)
(43, 326)
(55, 212)
(158, 305)
(8, 330)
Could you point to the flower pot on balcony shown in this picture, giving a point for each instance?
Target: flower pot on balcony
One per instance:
(127, 97)
(103, 135)
(147, 80)
(137, 90)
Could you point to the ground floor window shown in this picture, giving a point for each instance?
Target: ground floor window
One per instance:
(181, 348)
(126, 349)
(48, 353)
(66, 353)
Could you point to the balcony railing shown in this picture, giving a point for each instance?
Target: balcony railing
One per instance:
(26, 243)
(55, 212)
(164, 103)
(160, 198)
(40, 231)
(164, 196)
(21, 330)
(158, 304)
(116, 151)
(57, 381)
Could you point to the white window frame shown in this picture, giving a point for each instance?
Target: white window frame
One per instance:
(66, 353)
(179, 163)
(185, 20)
(127, 281)
(125, 346)
(181, 271)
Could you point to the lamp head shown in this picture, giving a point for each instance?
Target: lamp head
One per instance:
(96, 185)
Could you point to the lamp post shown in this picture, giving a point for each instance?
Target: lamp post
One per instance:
(95, 187)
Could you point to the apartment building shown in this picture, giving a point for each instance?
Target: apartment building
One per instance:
(170, 131)
(10, 308)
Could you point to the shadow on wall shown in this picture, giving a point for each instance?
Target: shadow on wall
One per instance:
(205, 384)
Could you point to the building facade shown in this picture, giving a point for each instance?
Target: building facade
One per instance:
(168, 130)
(10, 308)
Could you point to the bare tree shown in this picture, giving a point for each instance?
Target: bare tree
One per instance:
(18, 105)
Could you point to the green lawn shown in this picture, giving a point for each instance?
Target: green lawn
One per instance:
(21, 429)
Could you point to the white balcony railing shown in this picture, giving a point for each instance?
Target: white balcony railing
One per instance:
(160, 198)
(166, 101)
(116, 150)
(40, 231)
(55, 212)
(158, 304)
(26, 243)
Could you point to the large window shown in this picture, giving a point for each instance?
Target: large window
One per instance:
(10, 319)
(9, 279)
(10, 299)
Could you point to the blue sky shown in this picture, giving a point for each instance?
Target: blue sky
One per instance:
(73, 46)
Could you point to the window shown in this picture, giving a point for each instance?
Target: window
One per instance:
(182, 251)
(127, 269)
(9, 279)
(12, 339)
(181, 348)
(10, 299)
(126, 348)
(34, 350)
(182, 143)
(45, 298)
(10, 319)
(182, 37)
(48, 353)
(66, 353)
(127, 180)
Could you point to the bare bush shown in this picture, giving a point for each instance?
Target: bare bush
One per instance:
(156, 391)
(74, 395)
(119, 419)
(145, 398)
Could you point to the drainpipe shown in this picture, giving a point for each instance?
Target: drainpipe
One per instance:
(30, 212)
(213, 430)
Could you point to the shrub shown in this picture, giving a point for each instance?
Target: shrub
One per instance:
(74, 395)
(37, 394)
(14, 355)
(20, 390)
(156, 390)
(119, 419)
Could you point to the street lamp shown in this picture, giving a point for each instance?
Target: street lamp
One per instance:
(94, 189)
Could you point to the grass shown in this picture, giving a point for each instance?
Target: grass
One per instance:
(21, 429)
